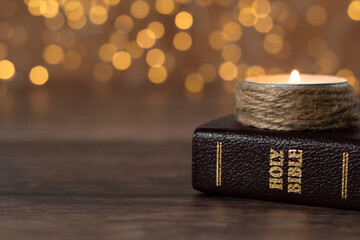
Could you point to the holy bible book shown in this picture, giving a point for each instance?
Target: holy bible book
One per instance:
(312, 168)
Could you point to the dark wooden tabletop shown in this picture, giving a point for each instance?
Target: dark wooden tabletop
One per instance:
(95, 165)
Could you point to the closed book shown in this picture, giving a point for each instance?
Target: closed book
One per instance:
(312, 168)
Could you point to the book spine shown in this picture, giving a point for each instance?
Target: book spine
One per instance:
(294, 170)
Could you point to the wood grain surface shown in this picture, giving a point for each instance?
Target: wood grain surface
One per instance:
(74, 171)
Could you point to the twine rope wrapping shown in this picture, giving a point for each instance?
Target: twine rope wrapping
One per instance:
(270, 107)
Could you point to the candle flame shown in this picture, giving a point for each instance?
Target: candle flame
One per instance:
(295, 77)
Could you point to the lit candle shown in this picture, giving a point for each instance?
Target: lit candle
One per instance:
(294, 80)
(296, 102)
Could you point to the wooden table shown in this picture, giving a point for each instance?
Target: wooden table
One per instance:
(95, 165)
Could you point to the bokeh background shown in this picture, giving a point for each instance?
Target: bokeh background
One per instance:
(184, 45)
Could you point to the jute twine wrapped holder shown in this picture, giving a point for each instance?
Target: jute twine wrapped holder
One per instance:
(302, 108)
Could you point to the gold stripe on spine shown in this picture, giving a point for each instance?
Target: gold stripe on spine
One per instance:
(217, 163)
(345, 170)
(220, 156)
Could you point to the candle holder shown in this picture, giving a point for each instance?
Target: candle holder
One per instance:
(316, 103)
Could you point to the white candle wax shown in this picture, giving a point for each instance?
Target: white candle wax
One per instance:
(297, 81)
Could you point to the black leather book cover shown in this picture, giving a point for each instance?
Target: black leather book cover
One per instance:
(313, 168)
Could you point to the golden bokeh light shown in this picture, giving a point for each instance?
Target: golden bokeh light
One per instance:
(53, 54)
(348, 75)
(183, 20)
(77, 23)
(182, 41)
(208, 72)
(124, 23)
(72, 60)
(194, 82)
(157, 74)
(232, 31)
(112, 2)
(121, 60)
(98, 15)
(157, 28)
(51, 8)
(39, 75)
(228, 71)
(56, 22)
(217, 40)
(103, 72)
(231, 53)
(255, 71)
(262, 8)
(139, 9)
(273, 43)
(119, 39)
(134, 50)
(327, 64)
(248, 17)
(165, 6)
(264, 25)
(106, 52)
(155, 57)
(316, 15)
(145, 38)
(204, 3)
(354, 10)
(7, 70)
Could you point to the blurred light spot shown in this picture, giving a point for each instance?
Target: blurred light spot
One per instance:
(279, 11)
(121, 60)
(231, 53)
(232, 31)
(106, 52)
(39, 75)
(111, 2)
(74, 9)
(51, 8)
(155, 57)
(124, 23)
(53, 54)
(6, 30)
(36, 7)
(354, 10)
(194, 82)
(183, 20)
(165, 6)
(204, 3)
(7, 70)
(103, 72)
(208, 72)
(145, 38)
(72, 60)
(273, 43)
(255, 71)
(327, 64)
(134, 50)
(247, 16)
(316, 15)
(228, 71)
(316, 47)
(157, 28)
(19, 36)
(348, 75)
(56, 22)
(77, 23)
(264, 25)
(3, 50)
(157, 74)
(182, 41)
(217, 40)
(119, 39)
(262, 8)
(98, 15)
(139, 9)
